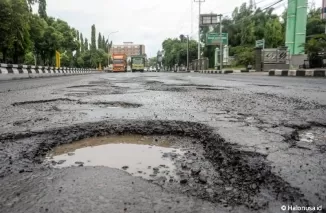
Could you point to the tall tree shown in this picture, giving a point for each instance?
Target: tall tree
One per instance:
(82, 44)
(37, 29)
(104, 44)
(99, 41)
(93, 38)
(5, 27)
(19, 29)
(86, 46)
(42, 8)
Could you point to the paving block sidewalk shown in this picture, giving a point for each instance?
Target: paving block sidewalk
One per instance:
(302, 73)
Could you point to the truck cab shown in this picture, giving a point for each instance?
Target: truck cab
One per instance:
(138, 63)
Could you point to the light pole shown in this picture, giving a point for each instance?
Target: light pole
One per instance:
(109, 44)
(199, 3)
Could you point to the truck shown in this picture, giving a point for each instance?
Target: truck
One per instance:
(138, 63)
(119, 62)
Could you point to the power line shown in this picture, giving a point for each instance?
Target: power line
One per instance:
(272, 5)
(255, 5)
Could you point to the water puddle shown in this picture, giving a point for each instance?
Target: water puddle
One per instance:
(307, 137)
(313, 139)
(148, 157)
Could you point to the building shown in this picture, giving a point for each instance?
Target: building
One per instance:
(128, 48)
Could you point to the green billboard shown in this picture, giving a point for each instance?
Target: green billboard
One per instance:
(215, 39)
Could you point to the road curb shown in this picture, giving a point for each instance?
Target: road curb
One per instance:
(297, 73)
(224, 71)
(17, 71)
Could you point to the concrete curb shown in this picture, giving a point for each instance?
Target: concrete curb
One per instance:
(16, 71)
(301, 73)
(224, 71)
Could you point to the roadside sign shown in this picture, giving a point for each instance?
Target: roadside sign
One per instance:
(57, 59)
(260, 43)
(215, 39)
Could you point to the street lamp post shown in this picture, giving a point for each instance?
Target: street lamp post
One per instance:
(109, 44)
(199, 3)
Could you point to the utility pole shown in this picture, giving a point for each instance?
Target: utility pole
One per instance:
(187, 52)
(199, 3)
(221, 43)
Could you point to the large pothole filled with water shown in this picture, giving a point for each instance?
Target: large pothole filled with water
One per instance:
(182, 157)
(149, 157)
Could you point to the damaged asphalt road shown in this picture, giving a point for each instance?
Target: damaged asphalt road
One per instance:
(253, 143)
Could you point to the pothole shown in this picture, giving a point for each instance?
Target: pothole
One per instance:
(81, 86)
(188, 85)
(169, 89)
(26, 122)
(99, 82)
(144, 156)
(42, 101)
(69, 104)
(202, 164)
(209, 88)
(265, 85)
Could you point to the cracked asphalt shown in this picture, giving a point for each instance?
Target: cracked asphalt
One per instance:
(263, 138)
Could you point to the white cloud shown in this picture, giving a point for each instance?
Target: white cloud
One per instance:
(147, 22)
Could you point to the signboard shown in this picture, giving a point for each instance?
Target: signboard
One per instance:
(277, 56)
(260, 43)
(215, 39)
(208, 19)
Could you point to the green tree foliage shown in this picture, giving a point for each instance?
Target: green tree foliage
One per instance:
(5, 26)
(29, 59)
(19, 29)
(93, 38)
(86, 46)
(99, 41)
(315, 25)
(30, 38)
(176, 51)
(246, 25)
(315, 46)
(82, 44)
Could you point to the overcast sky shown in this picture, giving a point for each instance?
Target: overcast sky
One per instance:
(146, 22)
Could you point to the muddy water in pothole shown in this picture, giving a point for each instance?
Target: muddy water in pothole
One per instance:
(143, 156)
